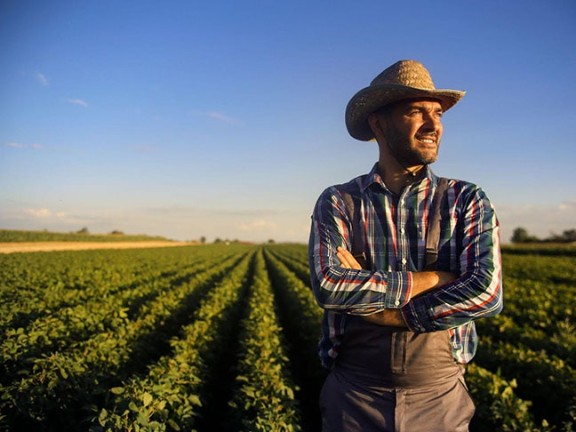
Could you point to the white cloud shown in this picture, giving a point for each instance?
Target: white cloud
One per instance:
(176, 222)
(17, 145)
(39, 213)
(16, 215)
(78, 102)
(568, 205)
(44, 213)
(257, 225)
(218, 116)
(42, 79)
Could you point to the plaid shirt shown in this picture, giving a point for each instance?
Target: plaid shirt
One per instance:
(393, 230)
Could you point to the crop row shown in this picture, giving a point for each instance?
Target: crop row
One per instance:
(301, 318)
(264, 399)
(523, 375)
(225, 338)
(100, 313)
(177, 392)
(39, 284)
(44, 386)
(172, 390)
(547, 381)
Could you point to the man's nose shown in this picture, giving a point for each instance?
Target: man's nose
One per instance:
(432, 122)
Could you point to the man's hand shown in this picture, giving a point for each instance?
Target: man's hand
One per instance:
(347, 260)
(387, 317)
(422, 282)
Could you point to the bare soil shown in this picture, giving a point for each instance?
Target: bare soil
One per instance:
(6, 248)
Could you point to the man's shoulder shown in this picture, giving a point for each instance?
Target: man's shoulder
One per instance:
(352, 187)
(466, 191)
(460, 185)
(343, 195)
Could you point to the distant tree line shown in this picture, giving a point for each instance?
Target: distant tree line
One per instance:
(218, 240)
(86, 231)
(521, 235)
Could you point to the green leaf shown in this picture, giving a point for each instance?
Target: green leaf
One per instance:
(173, 425)
(147, 399)
(102, 417)
(195, 400)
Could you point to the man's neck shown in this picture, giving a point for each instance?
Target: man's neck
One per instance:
(397, 177)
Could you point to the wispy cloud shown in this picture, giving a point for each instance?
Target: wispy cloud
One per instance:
(42, 79)
(79, 102)
(178, 222)
(44, 213)
(144, 148)
(259, 224)
(569, 204)
(17, 145)
(220, 117)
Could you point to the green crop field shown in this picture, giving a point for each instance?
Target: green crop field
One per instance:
(16, 236)
(223, 338)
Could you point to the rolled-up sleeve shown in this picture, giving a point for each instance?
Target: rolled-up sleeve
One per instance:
(343, 290)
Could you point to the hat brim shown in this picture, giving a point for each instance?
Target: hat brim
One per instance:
(373, 98)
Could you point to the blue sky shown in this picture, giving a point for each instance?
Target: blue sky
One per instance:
(226, 118)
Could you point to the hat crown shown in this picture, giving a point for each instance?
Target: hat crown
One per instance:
(406, 79)
(409, 73)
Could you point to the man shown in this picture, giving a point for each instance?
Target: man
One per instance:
(399, 322)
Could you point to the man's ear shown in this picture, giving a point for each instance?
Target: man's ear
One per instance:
(376, 125)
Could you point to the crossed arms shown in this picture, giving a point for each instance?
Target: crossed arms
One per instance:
(422, 282)
(420, 300)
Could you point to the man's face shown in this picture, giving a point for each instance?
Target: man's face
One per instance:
(412, 130)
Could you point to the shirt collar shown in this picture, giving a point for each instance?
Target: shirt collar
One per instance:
(373, 177)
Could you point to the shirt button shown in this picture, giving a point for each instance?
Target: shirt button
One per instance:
(404, 261)
(397, 303)
(402, 230)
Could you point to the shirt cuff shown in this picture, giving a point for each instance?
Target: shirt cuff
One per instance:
(399, 289)
(416, 314)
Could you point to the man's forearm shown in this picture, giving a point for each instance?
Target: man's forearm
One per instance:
(421, 282)
(428, 280)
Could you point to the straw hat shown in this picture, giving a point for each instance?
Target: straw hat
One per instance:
(405, 79)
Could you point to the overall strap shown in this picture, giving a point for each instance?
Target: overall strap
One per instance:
(433, 236)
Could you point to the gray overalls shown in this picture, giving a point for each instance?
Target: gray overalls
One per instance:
(387, 379)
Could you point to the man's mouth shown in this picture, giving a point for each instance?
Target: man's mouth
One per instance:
(430, 140)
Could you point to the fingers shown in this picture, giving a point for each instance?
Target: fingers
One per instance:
(346, 259)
